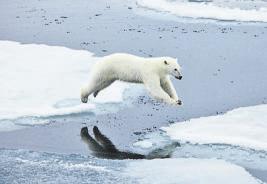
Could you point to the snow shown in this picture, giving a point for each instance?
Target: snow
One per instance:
(245, 127)
(41, 81)
(242, 11)
(188, 171)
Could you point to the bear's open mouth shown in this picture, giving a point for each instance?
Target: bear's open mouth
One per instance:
(180, 77)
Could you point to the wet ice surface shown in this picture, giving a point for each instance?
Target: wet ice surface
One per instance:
(245, 157)
(238, 136)
(21, 166)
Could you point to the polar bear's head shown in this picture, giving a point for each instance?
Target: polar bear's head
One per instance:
(172, 67)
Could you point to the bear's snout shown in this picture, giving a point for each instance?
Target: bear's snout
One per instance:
(180, 77)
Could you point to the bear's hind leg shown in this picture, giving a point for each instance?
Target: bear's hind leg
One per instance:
(89, 89)
(96, 93)
(102, 86)
(95, 89)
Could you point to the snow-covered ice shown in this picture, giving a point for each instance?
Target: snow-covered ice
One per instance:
(189, 171)
(40, 81)
(245, 127)
(254, 11)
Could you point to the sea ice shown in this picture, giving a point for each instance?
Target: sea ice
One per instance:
(253, 11)
(41, 81)
(245, 127)
(188, 171)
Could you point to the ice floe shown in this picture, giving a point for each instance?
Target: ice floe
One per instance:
(245, 127)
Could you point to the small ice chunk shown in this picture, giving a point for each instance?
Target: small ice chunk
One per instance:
(143, 144)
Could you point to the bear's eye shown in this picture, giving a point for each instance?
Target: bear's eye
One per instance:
(165, 62)
(175, 69)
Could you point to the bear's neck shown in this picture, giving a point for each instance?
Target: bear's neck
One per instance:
(158, 68)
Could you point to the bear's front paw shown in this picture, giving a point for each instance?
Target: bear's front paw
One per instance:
(173, 102)
(84, 99)
(179, 102)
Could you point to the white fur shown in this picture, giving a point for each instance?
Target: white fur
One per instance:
(152, 72)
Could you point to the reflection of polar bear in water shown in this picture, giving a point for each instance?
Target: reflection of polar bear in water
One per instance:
(152, 72)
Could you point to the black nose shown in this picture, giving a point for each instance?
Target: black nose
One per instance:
(180, 77)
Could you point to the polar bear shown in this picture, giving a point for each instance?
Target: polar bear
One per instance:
(154, 73)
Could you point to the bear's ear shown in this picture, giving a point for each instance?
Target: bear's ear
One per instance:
(165, 62)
